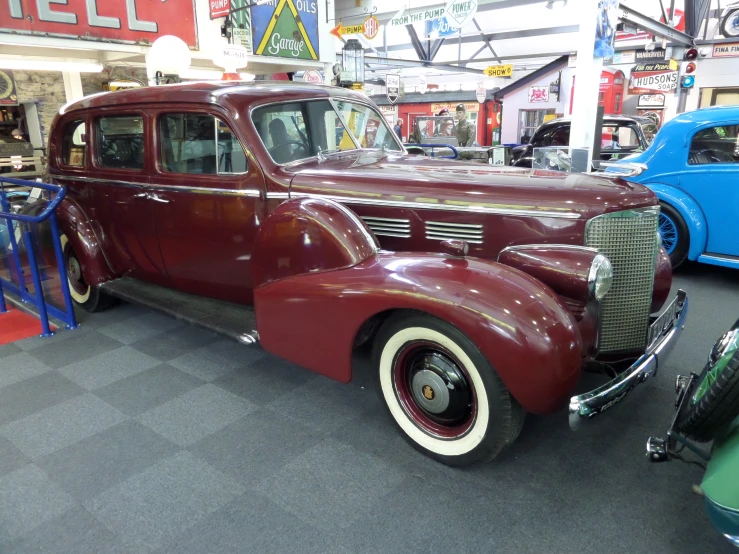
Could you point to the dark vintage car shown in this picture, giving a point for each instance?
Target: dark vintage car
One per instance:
(621, 136)
(483, 291)
(433, 134)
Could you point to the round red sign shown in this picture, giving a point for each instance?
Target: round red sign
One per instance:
(371, 27)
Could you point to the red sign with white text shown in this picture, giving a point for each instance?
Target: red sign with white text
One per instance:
(139, 21)
(219, 8)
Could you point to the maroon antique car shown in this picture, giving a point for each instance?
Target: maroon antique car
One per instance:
(256, 210)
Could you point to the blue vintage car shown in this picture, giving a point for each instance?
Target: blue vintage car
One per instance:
(693, 167)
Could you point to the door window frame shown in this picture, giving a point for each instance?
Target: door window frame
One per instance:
(88, 145)
(97, 140)
(691, 137)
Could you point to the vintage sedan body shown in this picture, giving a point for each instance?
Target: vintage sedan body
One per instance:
(494, 287)
(693, 167)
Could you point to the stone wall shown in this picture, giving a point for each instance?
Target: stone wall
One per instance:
(46, 89)
(93, 82)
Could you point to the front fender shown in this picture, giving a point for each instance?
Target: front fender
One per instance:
(79, 232)
(691, 213)
(520, 325)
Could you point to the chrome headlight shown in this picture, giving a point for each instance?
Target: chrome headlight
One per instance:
(600, 277)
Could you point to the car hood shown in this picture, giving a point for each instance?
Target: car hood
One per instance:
(375, 176)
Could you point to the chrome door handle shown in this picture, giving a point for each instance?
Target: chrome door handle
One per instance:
(158, 198)
(141, 195)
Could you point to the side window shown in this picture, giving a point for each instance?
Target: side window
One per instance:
(199, 144)
(561, 137)
(74, 144)
(715, 145)
(282, 129)
(121, 142)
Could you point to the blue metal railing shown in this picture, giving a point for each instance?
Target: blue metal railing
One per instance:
(454, 156)
(15, 221)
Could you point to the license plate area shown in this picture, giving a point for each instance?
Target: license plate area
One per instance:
(662, 324)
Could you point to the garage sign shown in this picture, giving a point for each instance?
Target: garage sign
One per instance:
(654, 77)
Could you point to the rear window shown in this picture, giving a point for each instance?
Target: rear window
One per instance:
(121, 142)
(74, 144)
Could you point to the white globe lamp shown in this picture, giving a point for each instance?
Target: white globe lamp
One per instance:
(169, 58)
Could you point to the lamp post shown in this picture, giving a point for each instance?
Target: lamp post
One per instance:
(352, 61)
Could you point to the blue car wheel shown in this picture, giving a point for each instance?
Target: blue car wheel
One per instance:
(675, 235)
(668, 231)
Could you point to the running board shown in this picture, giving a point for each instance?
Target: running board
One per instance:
(233, 320)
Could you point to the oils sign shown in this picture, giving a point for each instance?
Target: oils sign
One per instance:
(499, 70)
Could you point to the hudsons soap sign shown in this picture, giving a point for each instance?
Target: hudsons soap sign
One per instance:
(286, 29)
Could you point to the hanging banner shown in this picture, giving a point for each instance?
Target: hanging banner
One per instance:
(241, 30)
(459, 13)
(440, 27)
(126, 21)
(8, 95)
(648, 78)
(423, 84)
(313, 76)
(286, 29)
(392, 82)
(408, 17)
(480, 93)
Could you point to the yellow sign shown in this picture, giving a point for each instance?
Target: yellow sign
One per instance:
(673, 64)
(499, 70)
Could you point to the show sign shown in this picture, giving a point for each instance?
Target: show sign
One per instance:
(286, 29)
(136, 21)
(648, 78)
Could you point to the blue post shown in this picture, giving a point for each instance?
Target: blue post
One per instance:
(3, 308)
(14, 247)
(72, 323)
(37, 285)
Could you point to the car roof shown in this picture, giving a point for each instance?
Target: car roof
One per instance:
(209, 92)
(606, 118)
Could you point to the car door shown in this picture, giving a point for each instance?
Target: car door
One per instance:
(209, 202)
(711, 177)
(120, 175)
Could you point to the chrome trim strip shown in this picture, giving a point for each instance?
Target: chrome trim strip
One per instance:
(549, 246)
(278, 195)
(386, 219)
(471, 240)
(441, 206)
(391, 234)
(131, 184)
(719, 258)
(470, 226)
(588, 405)
(395, 229)
(453, 233)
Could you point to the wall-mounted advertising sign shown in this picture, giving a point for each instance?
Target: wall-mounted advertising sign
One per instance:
(392, 82)
(538, 94)
(648, 78)
(286, 29)
(651, 101)
(219, 8)
(730, 50)
(8, 95)
(134, 21)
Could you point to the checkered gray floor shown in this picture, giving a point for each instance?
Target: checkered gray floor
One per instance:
(137, 433)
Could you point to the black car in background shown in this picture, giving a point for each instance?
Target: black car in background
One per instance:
(622, 135)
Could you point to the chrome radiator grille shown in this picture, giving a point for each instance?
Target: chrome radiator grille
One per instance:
(437, 230)
(629, 240)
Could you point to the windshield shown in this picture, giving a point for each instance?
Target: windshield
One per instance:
(294, 131)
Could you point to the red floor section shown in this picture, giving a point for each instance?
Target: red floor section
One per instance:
(17, 325)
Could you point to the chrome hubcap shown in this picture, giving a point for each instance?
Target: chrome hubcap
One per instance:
(430, 391)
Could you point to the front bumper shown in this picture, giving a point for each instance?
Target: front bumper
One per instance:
(588, 405)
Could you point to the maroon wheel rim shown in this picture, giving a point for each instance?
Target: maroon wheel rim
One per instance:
(434, 390)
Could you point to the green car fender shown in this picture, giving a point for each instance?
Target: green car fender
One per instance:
(721, 483)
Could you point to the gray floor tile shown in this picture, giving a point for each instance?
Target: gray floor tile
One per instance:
(28, 498)
(108, 368)
(60, 335)
(173, 344)
(196, 414)
(147, 389)
(117, 313)
(61, 425)
(266, 379)
(310, 403)
(34, 394)
(140, 327)
(75, 531)
(153, 507)
(331, 485)
(75, 349)
(9, 349)
(256, 446)
(19, 367)
(11, 458)
(252, 523)
(217, 359)
(89, 467)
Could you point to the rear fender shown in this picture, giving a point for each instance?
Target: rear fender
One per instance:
(520, 325)
(73, 224)
(691, 213)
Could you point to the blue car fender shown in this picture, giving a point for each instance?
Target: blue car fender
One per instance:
(691, 213)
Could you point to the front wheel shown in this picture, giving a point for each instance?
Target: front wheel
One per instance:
(443, 394)
(87, 297)
(674, 233)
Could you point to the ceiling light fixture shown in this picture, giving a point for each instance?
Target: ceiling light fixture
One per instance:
(48, 65)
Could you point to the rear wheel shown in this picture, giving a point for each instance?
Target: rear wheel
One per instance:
(445, 397)
(674, 233)
(87, 297)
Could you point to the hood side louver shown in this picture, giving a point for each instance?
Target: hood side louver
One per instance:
(389, 227)
(437, 230)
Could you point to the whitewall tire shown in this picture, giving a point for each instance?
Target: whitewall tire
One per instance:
(87, 297)
(442, 393)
